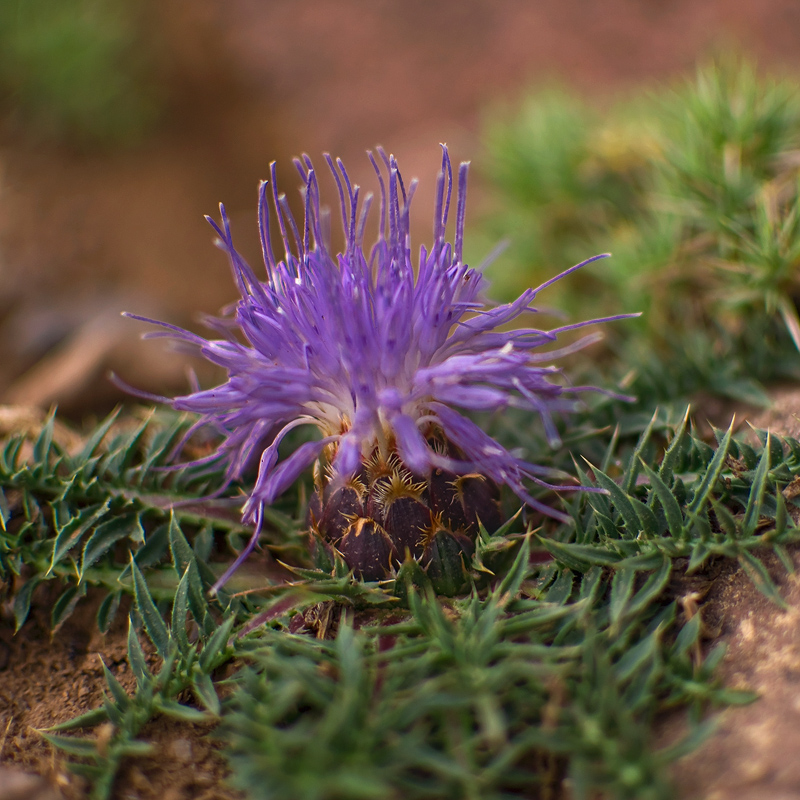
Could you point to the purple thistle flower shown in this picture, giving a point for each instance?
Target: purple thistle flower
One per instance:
(375, 353)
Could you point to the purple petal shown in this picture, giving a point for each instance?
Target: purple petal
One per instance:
(289, 470)
(411, 445)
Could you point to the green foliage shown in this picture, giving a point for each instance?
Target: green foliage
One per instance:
(699, 504)
(549, 669)
(694, 190)
(564, 180)
(472, 702)
(184, 667)
(77, 69)
(74, 518)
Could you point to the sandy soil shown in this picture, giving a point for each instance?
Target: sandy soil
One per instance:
(47, 679)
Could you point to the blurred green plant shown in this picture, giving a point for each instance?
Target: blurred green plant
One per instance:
(77, 70)
(694, 190)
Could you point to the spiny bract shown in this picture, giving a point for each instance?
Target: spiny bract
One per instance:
(375, 354)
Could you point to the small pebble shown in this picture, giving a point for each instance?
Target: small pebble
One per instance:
(18, 785)
(182, 750)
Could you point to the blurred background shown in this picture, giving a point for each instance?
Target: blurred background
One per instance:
(123, 123)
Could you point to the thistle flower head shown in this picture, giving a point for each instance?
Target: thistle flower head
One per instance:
(380, 354)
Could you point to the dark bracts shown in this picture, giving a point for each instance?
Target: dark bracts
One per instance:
(383, 515)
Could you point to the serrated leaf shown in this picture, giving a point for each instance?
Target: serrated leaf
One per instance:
(561, 589)
(670, 506)
(632, 472)
(700, 553)
(107, 611)
(9, 460)
(22, 602)
(758, 574)
(214, 647)
(541, 617)
(651, 589)
(198, 599)
(65, 605)
(182, 553)
(775, 447)
(688, 635)
(184, 713)
(607, 527)
(153, 621)
(727, 522)
(634, 658)
(647, 519)
(579, 557)
(785, 558)
(180, 608)
(203, 687)
(136, 656)
(748, 455)
(591, 582)
(168, 668)
(106, 535)
(33, 510)
(756, 498)
(74, 745)
(781, 514)
(130, 448)
(508, 588)
(599, 502)
(714, 470)
(86, 720)
(794, 448)
(119, 695)
(203, 542)
(675, 451)
(621, 591)
(43, 443)
(116, 716)
(160, 446)
(97, 436)
(649, 560)
(152, 551)
(621, 502)
(69, 534)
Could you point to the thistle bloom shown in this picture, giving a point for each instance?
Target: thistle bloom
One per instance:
(377, 354)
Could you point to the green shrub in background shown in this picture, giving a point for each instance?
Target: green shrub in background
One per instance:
(565, 178)
(694, 190)
(76, 70)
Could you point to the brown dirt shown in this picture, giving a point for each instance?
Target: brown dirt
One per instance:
(752, 753)
(48, 679)
(83, 236)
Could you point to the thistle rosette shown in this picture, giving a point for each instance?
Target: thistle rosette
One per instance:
(382, 358)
